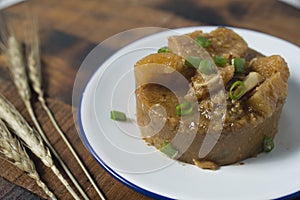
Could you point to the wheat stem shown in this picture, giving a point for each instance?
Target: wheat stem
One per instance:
(44, 187)
(16, 154)
(34, 71)
(71, 149)
(18, 73)
(18, 124)
(31, 113)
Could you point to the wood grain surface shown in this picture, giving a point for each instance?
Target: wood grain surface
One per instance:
(69, 30)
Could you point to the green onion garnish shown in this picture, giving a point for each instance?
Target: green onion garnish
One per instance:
(184, 108)
(220, 61)
(192, 61)
(169, 150)
(268, 144)
(238, 92)
(203, 42)
(205, 67)
(117, 115)
(239, 64)
(165, 143)
(163, 49)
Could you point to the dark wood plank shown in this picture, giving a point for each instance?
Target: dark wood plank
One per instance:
(10, 191)
(63, 114)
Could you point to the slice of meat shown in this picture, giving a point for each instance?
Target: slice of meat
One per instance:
(169, 59)
(148, 96)
(196, 34)
(198, 86)
(162, 68)
(268, 95)
(226, 73)
(252, 80)
(185, 46)
(226, 42)
(201, 86)
(199, 83)
(267, 66)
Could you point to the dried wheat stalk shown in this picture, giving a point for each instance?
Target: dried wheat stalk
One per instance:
(15, 121)
(14, 152)
(34, 71)
(17, 68)
(19, 75)
(18, 72)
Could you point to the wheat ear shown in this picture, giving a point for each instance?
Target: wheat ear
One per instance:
(33, 39)
(15, 153)
(18, 73)
(15, 121)
(17, 68)
(34, 71)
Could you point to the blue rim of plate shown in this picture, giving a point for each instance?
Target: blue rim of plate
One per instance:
(115, 175)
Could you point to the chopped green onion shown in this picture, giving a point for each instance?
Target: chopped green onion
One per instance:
(203, 42)
(165, 143)
(163, 49)
(117, 115)
(184, 108)
(192, 61)
(220, 61)
(205, 67)
(268, 144)
(239, 64)
(169, 150)
(238, 92)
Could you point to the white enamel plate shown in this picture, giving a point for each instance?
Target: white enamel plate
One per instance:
(118, 147)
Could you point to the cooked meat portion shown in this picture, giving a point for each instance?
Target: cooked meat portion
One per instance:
(202, 85)
(232, 45)
(161, 66)
(273, 90)
(196, 34)
(226, 42)
(169, 59)
(223, 42)
(268, 66)
(226, 73)
(271, 93)
(185, 46)
(236, 110)
(148, 96)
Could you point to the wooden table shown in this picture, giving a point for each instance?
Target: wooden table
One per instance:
(70, 29)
